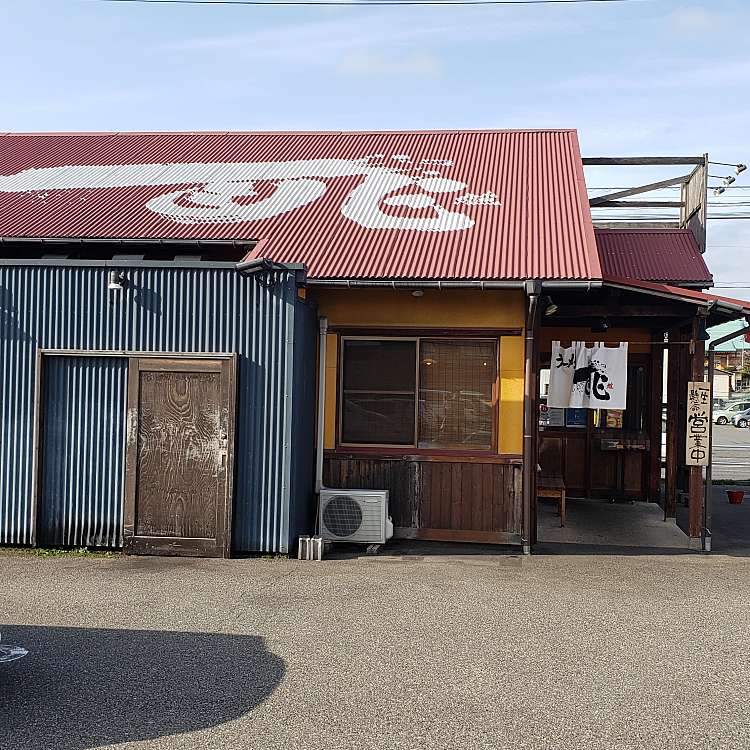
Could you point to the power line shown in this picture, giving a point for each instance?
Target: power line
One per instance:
(364, 3)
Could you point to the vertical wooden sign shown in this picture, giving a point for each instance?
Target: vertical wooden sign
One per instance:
(698, 424)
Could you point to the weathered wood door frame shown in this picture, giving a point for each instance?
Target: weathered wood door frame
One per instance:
(158, 545)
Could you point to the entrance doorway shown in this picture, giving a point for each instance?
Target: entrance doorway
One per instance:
(179, 454)
(604, 460)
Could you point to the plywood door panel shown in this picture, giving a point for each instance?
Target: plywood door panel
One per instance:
(180, 454)
(180, 437)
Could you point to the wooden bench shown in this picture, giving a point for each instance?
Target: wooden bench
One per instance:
(553, 487)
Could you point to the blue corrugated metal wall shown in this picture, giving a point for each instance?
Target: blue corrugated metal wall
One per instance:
(83, 459)
(165, 309)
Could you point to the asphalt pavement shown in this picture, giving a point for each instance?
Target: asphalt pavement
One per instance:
(731, 453)
(411, 650)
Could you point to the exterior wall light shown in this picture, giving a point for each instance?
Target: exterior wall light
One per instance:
(116, 280)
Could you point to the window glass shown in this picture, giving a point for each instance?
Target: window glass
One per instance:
(379, 365)
(456, 381)
(379, 384)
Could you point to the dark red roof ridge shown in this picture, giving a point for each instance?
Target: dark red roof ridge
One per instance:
(385, 131)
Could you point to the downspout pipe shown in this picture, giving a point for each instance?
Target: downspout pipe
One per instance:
(706, 531)
(533, 291)
(322, 340)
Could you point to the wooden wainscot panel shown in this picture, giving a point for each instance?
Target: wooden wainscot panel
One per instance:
(445, 500)
(575, 462)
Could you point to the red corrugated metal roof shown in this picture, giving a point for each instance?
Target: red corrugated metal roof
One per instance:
(652, 255)
(408, 205)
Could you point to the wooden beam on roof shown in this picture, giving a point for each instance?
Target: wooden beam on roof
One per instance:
(640, 161)
(636, 224)
(617, 311)
(640, 204)
(638, 190)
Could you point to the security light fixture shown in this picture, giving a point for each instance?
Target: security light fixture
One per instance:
(728, 180)
(719, 190)
(116, 280)
(550, 308)
(417, 293)
(737, 167)
(601, 327)
(702, 332)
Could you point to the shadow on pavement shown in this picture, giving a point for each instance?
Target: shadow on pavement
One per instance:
(406, 548)
(568, 548)
(84, 688)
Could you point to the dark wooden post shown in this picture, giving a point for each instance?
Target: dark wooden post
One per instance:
(655, 414)
(695, 473)
(685, 369)
(530, 415)
(673, 395)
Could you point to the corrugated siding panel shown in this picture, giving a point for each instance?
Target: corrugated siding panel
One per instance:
(83, 458)
(331, 190)
(669, 255)
(165, 310)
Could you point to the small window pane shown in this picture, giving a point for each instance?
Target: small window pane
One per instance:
(379, 365)
(379, 392)
(455, 394)
(378, 419)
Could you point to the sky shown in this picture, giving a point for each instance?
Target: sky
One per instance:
(643, 78)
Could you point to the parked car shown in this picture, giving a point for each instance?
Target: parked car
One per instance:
(742, 419)
(725, 416)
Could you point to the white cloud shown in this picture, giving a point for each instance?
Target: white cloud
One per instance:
(359, 41)
(375, 64)
(82, 101)
(697, 20)
(665, 73)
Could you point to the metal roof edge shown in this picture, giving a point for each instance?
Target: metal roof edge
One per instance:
(592, 250)
(79, 133)
(120, 263)
(456, 283)
(124, 241)
(702, 299)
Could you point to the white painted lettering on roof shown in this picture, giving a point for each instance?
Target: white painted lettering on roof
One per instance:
(214, 192)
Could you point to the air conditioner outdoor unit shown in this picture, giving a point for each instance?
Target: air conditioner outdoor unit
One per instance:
(359, 516)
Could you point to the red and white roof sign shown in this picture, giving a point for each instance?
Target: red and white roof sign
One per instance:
(395, 205)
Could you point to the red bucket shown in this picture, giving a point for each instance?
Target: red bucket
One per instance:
(736, 496)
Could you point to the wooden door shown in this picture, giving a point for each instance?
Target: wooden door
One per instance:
(179, 450)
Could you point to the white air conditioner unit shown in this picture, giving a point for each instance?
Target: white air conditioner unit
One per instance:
(359, 516)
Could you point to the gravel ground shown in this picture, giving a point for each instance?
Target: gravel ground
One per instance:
(483, 651)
